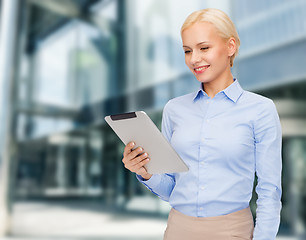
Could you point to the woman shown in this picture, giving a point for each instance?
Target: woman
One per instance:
(225, 135)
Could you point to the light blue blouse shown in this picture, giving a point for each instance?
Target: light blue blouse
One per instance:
(224, 140)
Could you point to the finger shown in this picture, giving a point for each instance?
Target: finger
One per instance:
(132, 155)
(132, 163)
(138, 159)
(136, 168)
(128, 148)
(129, 156)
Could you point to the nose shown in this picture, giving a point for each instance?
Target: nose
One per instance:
(195, 58)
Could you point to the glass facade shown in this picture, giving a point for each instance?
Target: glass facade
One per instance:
(272, 35)
(80, 60)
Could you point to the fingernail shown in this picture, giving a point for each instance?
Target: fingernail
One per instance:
(133, 144)
(141, 149)
(145, 154)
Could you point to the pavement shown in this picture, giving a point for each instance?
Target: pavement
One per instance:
(89, 220)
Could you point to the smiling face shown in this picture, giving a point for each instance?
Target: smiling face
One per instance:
(207, 55)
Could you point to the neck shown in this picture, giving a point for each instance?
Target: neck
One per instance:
(217, 85)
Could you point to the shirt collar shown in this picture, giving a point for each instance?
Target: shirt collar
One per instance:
(233, 91)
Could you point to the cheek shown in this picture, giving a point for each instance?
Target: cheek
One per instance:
(221, 54)
(187, 61)
(217, 58)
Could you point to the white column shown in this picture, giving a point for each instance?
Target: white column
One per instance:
(61, 168)
(82, 165)
(7, 52)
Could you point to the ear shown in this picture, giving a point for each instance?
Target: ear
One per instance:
(231, 46)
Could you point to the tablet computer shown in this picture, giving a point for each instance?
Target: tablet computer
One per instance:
(139, 128)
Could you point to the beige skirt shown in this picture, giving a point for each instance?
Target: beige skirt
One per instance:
(236, 225)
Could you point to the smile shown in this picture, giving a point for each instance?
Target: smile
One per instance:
(201, 69)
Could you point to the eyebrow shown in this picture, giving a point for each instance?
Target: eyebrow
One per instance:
(197, 44)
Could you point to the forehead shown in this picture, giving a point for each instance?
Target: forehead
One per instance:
(200, 32)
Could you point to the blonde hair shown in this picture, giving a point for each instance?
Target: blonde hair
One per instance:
(220, 20)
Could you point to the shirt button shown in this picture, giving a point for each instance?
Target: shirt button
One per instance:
(207, 120)
(202, 163)
(202, 187)
(203, 139)
(201, 208)
(207, 101)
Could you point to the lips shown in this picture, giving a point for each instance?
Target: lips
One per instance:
(201, 69)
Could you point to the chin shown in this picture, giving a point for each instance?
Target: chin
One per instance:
(203, 80)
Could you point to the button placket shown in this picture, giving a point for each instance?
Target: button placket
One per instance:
(202, 164)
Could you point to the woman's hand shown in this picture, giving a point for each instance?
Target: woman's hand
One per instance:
(134, 160)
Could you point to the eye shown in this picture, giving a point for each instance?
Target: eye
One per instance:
(187, 51)
(204, 48)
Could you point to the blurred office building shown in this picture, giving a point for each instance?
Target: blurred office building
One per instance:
(72, 62)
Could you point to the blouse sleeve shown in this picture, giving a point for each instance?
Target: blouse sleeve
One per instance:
(162, 184)
(268, 141)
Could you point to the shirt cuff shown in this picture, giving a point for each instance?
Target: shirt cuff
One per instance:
(152, 182)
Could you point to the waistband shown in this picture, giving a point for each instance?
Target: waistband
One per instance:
(244, 213)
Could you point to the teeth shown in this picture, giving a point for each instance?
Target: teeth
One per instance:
(200, 69)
